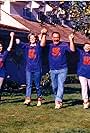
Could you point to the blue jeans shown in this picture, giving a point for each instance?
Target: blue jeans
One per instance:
(30, 77)
(58, 77)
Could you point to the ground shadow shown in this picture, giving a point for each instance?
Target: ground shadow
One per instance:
(71, 90)
(71, 102)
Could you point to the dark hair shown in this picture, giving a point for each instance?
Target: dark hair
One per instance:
(1, 42)
(30, 34)
(56, 33)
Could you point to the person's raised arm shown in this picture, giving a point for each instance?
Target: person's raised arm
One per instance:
(43, 37)
(11, 41)
(72, 45)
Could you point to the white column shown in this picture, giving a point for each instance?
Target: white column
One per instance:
(6, 8)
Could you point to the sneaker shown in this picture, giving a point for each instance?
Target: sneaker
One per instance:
(27, 101)
(39, 101)
(58, 105)
(86, 105)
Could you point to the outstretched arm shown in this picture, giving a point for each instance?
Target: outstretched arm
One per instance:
(11, 41)
(21, 44)
(43, 37)
(71, 39)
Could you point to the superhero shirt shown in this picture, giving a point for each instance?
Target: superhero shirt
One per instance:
(2, 61)
(57, 55)
(83, 63)
(33, 57)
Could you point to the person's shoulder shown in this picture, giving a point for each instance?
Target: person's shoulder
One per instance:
(50, 44)
(62, 43)
(79, 49)
(24, 43)
(38, 43)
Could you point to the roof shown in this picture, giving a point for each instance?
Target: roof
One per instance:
(11, 28)
(36, 28)
(5, 30)
(64, 31)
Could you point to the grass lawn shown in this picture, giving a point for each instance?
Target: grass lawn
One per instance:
(72, 118)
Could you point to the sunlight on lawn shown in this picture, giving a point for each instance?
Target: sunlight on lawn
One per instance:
(72, 118)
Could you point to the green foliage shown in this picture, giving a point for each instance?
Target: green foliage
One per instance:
(80, 12)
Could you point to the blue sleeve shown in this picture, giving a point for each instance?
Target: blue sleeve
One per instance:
(23, 45)
(78, 50)
(5, 54)
(66, 46)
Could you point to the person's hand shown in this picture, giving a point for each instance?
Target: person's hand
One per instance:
(11, 34)
(87, 47)
(71, 36)
(44, 31)
(17, 41)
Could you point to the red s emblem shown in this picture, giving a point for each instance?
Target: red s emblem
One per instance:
(32, 53)
(1, 63)
(56, 51)
(86, 60)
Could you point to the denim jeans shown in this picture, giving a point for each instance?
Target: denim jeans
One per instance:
(58, 77)
(30, 77)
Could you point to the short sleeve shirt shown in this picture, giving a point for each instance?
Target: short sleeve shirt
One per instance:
(57, 55)
(83, 63)
(33, 57)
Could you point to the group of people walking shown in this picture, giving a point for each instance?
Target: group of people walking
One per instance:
(57, 64)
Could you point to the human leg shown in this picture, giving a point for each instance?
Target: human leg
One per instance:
(84, 88)
(84, 91)
(89, 88)
(61, 79)
(58, 77)
(54, 81)
(1, 82)
(28, 87)
(37, 79)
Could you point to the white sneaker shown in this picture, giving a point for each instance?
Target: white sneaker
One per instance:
(86, 105)
(39, 101)
(27, 102)
(58, 105)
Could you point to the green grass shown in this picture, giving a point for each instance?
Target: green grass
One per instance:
(72, 118)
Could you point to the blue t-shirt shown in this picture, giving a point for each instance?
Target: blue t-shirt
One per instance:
(33, 57)
(84, 63)
(2, 60)
(57, 55)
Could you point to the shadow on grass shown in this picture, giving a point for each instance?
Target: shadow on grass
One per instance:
(66, 102)
(72, 102)
(71, 90)
(18, 98)
(12, 100)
